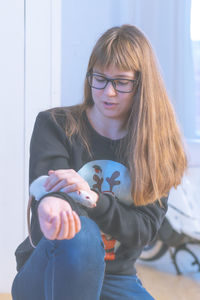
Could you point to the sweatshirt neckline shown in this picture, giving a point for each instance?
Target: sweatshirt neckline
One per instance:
(100, 135)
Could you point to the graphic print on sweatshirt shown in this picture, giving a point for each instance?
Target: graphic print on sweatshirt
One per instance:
(110, 177)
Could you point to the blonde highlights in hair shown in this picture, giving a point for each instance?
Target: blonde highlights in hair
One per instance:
(155, 152)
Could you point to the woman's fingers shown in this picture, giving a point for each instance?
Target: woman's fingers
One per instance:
(51, 181)
(66, 226)
(72, 230)
(68, 179)
(77, 221)
(58, 186)
(56, 177)
(50, 172)
(71, 188)
(70, 225)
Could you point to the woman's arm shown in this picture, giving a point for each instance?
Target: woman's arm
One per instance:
(50, 150)
(49, 147)
(131, 225)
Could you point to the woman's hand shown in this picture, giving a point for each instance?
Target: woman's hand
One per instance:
(57, 219)
(69, 181)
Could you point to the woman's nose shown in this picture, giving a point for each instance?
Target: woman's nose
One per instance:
(110, 90)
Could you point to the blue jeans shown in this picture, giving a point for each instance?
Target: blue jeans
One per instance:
(73, 270)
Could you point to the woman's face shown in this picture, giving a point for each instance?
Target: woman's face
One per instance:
(108, 102)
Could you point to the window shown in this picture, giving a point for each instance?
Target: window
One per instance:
(195, 39)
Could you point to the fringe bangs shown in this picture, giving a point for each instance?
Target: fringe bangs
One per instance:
(116, 54)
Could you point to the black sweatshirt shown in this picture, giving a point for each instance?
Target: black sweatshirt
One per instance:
(125, 228)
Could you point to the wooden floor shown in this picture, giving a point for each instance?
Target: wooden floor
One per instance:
(166, 286)
(162, 285)
(5, 297)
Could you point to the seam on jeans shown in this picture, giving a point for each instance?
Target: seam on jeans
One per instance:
(53, 277)
(102, 281)
(51, 251)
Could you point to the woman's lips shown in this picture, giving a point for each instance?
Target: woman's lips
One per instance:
(109, 104)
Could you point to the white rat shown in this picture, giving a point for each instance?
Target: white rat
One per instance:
(38, 190)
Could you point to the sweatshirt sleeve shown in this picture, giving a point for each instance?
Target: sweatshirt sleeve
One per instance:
(49, 147)
(130, 225)
(50, 150)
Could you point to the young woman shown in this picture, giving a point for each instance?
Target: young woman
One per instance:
(122, 149)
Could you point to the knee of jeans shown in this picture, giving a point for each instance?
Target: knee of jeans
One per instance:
(85, 249)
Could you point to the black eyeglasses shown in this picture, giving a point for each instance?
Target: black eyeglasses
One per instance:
(121, 85)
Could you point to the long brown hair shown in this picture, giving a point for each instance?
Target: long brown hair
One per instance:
(155, 152)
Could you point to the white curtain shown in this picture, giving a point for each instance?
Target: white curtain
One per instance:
(167, 25)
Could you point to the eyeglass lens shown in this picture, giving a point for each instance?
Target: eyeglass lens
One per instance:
(121, 85)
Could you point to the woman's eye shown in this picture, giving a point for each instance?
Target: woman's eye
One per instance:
(122, 82)
(99, 79)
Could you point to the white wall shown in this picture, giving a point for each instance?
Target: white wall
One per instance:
(165, 23)
(82, 23)
(30, 82)
(11, 135)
